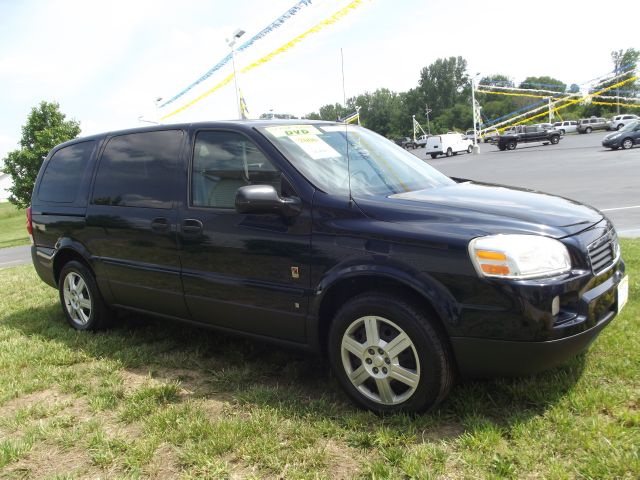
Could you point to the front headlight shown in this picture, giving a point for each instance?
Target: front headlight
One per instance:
(519, 256)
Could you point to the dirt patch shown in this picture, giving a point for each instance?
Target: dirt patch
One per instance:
(164, 463)
(443, 431)
(48, 461)
(342, 461)
(48, 399)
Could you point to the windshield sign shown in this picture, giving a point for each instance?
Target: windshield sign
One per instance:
(326, 153)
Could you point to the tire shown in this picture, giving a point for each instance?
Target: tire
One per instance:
(562, 132)
(80, 298)
(588, 130)
(545, 143)
(554, 139)
(449, 152)
(615, 148)
(620, 125)
(626, 144)
(389, 355)
(511, 145)
(502, 148)
(469, 149)
(434, 155)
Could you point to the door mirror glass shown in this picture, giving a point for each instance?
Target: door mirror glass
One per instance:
(265, 199)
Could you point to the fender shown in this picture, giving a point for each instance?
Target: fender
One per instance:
(67, 244)
(439, 297)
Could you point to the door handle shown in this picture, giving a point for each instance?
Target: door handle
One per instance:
(159, 224)
(191, 226)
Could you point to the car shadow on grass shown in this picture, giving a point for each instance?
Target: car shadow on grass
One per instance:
(254, 374)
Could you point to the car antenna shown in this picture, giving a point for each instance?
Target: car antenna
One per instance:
(346, 129)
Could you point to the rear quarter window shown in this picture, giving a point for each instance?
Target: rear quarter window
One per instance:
(64, 172)
(139, 170)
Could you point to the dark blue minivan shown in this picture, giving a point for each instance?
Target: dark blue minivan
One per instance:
(329, 238)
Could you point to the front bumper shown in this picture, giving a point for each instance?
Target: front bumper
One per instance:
(566, 335)
(611, 143)
(479, 357)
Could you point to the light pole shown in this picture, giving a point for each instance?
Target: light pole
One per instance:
(476, 147)
(231, 42)
(428, 111)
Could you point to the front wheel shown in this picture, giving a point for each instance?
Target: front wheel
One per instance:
(469, 149)
(434, 155)
(449, 152)
(588, 130)
(620, 125)
(554, 139)
(80, 298)
(627, 143)
(388, 355)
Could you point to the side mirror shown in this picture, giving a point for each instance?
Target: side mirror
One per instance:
(265, 199)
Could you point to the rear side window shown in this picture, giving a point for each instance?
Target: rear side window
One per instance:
(222, 163)
(139, 170)
(64, 172)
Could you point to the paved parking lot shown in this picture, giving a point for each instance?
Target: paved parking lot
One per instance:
(578, 168)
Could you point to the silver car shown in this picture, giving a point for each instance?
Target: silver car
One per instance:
(588, 125)
(567, 126)
(620, 121)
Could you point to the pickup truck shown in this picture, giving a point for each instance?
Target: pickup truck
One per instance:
(526, 134)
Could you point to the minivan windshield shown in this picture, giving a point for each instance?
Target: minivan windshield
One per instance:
(377, 166)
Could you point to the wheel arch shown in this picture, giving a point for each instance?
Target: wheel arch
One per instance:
(66, 252)
(420, 289)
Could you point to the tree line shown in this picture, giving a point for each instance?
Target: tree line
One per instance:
(444, 87)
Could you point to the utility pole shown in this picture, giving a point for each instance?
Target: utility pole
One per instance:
(236, 35)
(413, 125)
(476, 147)
(428, 111)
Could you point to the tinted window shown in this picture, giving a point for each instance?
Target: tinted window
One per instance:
(64, 172)
(224, 162)
(139, 170)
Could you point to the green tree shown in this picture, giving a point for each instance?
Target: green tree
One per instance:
(46, 127)
(574, 88)
(497, 79)
(444, 83)
(543, 83)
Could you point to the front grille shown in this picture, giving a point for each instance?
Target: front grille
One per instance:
(602, 252)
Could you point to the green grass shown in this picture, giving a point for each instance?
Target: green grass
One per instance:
(12, 226)
(155, 399)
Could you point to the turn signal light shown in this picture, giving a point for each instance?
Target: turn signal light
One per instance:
(494, 269)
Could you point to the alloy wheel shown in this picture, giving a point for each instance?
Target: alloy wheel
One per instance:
(380, 360)
(77, 299)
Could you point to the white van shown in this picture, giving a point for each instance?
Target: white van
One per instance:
(449, 144)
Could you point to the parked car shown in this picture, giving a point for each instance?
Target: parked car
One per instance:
(421, 141)
(588, 125)
(448, 144)
(511, 137)
(620, 121)
(567, 126)
(626, 137)
(327, 238)
(406, 142)
(490, 135)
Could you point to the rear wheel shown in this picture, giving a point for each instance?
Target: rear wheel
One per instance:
(512, 145)
(626, 143)
(588, 130)
(502, 148)
(388, 355)
(449, 152)
(80, 298)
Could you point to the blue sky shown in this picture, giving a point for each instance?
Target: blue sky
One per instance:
(106, 62)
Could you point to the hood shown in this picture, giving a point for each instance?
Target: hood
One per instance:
(486, 208)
